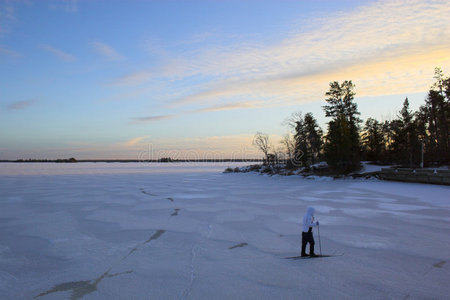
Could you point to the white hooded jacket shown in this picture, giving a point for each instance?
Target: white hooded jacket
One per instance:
(308, 219)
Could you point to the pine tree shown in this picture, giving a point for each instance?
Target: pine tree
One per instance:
(433, 120)
(373, 140)
(308, 140)
(342, 143)
(406, 144)
(301, 144)
(387, 129)
(314, 138)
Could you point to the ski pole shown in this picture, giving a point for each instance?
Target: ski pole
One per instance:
(320, 244)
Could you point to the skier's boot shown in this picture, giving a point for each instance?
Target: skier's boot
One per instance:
(304, 250)
(311, 251)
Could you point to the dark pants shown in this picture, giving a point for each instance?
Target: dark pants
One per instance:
(307, 237)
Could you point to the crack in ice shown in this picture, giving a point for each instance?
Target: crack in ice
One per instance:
(82, 288)
(238, 246)
(147, 193)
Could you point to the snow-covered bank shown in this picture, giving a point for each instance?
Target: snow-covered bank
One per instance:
(319, 171)
(116, 231)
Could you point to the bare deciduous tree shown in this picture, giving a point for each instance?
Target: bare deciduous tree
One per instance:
(288, 143)
(293, 120)
(261, 141)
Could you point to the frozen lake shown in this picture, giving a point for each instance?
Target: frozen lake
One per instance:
(187, 231)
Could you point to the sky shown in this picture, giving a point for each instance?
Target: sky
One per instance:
(198, 79)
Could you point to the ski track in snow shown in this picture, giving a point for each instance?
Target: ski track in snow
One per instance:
(210, 230)
(195, 249)
(186, 293)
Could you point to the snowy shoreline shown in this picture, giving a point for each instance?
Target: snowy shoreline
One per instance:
(191, 232)
(315, 172)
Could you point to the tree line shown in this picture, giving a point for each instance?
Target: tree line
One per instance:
(412, 139)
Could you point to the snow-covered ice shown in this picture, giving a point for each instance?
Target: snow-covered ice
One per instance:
(187, 231)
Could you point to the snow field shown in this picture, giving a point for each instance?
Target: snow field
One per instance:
(136, 231)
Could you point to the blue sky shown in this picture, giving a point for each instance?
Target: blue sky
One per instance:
(106, 79)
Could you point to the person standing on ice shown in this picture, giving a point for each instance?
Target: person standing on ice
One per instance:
(307, 235)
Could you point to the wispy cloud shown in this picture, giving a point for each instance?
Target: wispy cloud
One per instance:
(385, 47)
(8, 52)
(7, 17)
(135, 141)
(57, 52)
(106, 51)
(209, 94)
(230, 106)
(20, 104)
(69, 6)
(213, 108)
(152, 118)
(132, 79)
